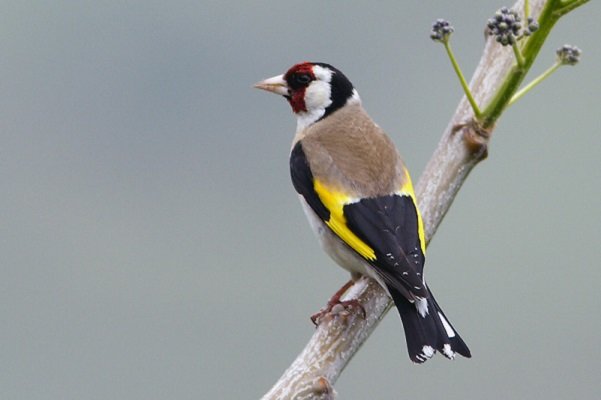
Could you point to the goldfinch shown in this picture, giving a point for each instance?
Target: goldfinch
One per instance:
(359, 199)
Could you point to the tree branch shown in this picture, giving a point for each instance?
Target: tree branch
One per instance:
(463, 144)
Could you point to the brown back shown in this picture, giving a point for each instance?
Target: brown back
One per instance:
(348, 151)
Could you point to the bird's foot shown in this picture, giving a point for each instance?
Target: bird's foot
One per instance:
(337, 307)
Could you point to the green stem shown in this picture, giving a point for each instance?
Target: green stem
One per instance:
(526, 10)
(464, 85)
(569, 5)
(534, 82)
(518, 54)
(517, 73)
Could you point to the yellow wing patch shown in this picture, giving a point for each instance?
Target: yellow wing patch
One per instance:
(334, 202)
(407, 190)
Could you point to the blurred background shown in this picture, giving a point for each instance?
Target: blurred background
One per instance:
(153, 246)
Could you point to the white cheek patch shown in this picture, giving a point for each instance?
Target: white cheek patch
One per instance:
(305, 119)
(318, 93)
(317, 99)
(322, 74)
(317, 96)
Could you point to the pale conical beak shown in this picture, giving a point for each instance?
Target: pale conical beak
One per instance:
(276, 85)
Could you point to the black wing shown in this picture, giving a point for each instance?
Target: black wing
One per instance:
(390, 226)
(302, 179)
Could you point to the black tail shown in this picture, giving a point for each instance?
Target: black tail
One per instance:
(428, 333)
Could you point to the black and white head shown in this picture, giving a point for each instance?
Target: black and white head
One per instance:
(314, 90)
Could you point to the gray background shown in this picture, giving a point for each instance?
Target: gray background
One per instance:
(152, 244)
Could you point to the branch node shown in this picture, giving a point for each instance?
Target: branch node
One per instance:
(475, 138)
(322, 390)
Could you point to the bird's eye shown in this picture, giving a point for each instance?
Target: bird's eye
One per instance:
(302, 79)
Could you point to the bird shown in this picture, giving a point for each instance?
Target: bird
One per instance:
(358, 197)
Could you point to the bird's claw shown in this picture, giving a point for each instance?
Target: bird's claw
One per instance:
(334, 308)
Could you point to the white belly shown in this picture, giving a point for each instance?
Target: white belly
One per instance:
(337, 249)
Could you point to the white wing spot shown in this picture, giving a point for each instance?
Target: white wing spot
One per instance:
(427, 352)
(422, 306)
(447, 326)
(446, 349)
